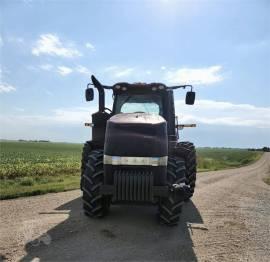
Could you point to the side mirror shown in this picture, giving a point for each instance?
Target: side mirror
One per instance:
(190, 98)
(89, 94)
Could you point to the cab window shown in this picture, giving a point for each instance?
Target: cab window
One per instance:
(151, 104)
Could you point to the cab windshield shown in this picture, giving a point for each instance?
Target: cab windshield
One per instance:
(151, 104)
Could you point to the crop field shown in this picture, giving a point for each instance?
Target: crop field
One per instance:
(212, 159)
(32, 168)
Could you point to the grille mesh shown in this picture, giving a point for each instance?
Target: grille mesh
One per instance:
(133, 185)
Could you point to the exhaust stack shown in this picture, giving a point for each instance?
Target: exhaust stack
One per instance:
(101, 95)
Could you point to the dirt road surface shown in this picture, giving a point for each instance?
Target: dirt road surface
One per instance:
(228, 219)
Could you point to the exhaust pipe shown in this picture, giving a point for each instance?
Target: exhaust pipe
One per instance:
(101, 95)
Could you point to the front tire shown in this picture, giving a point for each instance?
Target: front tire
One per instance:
(170, 208)
(187, 151)
(94, 203)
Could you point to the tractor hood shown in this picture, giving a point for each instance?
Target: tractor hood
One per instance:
(136, 134)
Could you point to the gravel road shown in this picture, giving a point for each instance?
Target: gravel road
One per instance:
(228, 219)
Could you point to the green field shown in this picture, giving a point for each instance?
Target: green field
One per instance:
(211, 159)
(32, 168)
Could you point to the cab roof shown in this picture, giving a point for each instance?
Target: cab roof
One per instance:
(124, 87)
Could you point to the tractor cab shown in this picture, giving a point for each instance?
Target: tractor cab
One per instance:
(153, 98)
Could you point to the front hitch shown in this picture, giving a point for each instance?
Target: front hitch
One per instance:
(180, 191)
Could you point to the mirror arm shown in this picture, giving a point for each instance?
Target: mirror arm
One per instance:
(185, 125)
(182, 86)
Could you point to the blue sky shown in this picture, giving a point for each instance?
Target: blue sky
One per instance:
(49, 49)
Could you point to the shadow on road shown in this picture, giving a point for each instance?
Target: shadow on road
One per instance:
(128, 233)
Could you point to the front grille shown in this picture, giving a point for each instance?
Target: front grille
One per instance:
(133, 186)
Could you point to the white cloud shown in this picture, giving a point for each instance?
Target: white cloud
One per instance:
(50, 44)
(240, 117)
(90, 46)
(111, 68)
(118, 72)
(163, 68)
(72, 115)
(124, 72)
(83, 70)
(199, 76)
(69, 116)
(64, 70)
(224, 113)
(48, 126)
(1, 42)
(46, 67)
(208, 112)
(6, 88)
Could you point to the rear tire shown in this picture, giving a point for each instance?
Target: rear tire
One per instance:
(187, 151)
(94, 203)
(85, 152)
(170, 208)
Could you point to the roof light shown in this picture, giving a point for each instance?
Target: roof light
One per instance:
(124, 88)
(117, 86)
(161, 87)
(154, 88)
(139, 83)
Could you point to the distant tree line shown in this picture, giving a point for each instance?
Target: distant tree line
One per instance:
(264, 149)
(38, 141)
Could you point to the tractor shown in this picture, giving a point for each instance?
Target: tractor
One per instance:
(134, 156)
